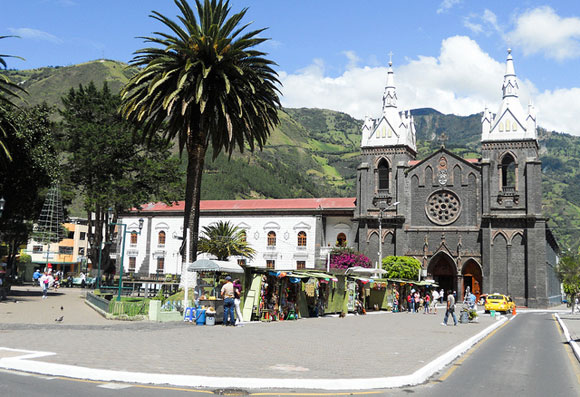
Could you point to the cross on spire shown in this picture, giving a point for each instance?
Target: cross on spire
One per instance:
(442, 138)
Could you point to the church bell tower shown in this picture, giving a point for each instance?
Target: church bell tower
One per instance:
(513, 228)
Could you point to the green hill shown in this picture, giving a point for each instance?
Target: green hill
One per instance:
(314, 152)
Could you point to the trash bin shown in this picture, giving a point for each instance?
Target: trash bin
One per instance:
(464, 319)
(199, 316)
(210, 318)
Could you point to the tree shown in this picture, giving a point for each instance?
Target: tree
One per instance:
(8, 92)
(25, 180)
(109, 165)
(401, 267)
(205, 86)
(223, 239)
(568, 271)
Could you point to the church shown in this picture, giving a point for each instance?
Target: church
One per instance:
(471, 223)
(474, 223)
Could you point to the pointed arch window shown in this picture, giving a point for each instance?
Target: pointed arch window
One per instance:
(383, 171)
(508, 173)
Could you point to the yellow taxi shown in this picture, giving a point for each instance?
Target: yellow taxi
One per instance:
(499, 303)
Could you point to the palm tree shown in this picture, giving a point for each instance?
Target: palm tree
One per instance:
(8, 92)
(222, 240)
(206, 85)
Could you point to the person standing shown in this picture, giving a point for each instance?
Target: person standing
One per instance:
(237, 300)
(227, 294)
(427, 303)
(435, 300)
(450, 308)
(45, 281)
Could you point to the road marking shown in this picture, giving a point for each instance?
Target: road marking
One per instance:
(114, 386)
(460, 361)
(320, 394)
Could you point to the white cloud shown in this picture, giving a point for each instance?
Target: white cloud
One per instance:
(35, 34)
(462, 80)
(486, 23)
(541, 30)
(447, 5)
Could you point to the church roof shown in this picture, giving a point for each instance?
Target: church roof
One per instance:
(336, 203)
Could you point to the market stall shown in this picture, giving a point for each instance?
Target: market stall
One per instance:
(209, 280)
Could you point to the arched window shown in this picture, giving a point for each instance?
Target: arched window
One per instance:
(508, 172)
(271, 239)
(161, 238)
(302, 239)
(383, 170)
(341, 240)
(133, 238)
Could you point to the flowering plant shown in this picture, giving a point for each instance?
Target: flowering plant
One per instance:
(344, 259)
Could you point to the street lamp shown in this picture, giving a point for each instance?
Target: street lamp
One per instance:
(2, 202)
(124, 231)
(383, 205)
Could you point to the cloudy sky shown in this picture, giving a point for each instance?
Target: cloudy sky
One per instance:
(448, 55)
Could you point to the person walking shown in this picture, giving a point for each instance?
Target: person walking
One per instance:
(450, 308)
(427, 303)
(35, 276)
(237, 300)
(228, 295)
(417, 298)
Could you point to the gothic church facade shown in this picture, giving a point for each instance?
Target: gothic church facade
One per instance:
(474, 223)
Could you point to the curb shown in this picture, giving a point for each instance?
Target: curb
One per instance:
(571, 342)
(419, 376)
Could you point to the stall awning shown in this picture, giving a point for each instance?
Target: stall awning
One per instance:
(324, 276)
(364, 271)
(206, 265)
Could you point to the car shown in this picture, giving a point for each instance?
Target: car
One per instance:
(499, 303)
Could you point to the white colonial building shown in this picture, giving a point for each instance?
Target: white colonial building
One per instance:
(287, 234)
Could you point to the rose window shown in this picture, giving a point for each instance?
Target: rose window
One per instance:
(443, 207)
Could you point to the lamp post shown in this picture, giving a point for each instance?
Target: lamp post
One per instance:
(124, 231)
(383, 205)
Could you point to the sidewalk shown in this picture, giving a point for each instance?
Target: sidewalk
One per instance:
(371, 347)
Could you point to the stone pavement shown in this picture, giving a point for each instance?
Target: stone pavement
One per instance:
(371, 346)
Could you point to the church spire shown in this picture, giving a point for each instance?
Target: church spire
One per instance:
(510, 82)
(390, 95)
(392, 128)
(510, 123)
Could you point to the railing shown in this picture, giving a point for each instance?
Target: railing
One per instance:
(173, 305)
(99, 302)
(508, 189)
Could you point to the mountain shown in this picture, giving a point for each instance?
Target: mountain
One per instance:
(314, 152)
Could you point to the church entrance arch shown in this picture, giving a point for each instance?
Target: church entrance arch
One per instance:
(443, 270)
(472, 277)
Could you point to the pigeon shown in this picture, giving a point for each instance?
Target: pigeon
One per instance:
(59, 319)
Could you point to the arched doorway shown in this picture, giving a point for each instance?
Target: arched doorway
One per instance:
(442, 269)
(472, 278)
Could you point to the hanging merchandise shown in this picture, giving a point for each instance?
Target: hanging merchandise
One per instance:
(310, 287)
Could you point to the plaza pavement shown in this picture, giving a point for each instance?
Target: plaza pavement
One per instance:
(327, 353)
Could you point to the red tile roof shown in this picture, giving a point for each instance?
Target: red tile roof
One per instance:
(256, 205)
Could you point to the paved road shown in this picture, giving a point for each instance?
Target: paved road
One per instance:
(526, 357)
